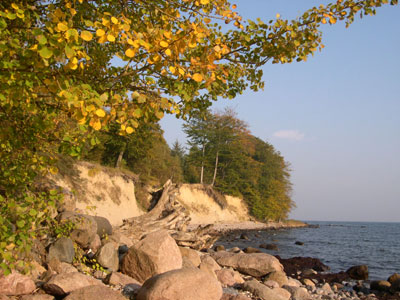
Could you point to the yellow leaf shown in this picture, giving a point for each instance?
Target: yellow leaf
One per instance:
(100, 113)
(114, 20)
(172, 69)
(111, 38)
(278, 16)
(207, 20)
(130, 52)
(86, 36)
(62, 27)
(90, 108)
(129, 129)
(164, 44)
(100, 32)
(332, 20)
(197, 77)
(102, 39)
(168, 52)
(204, 2)
(167, 34)
(15, 6)
(323, 21)
(126, 27)
(192, 44)
(96, 125)
(181, 71)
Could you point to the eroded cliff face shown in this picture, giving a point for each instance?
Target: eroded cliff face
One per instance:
(101, 191)
(110, 193)
(205, 209)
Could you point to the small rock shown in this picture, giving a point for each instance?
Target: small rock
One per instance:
(107, 257)
(393, 278)
(37, 270)
(327, 288)
(299, 243)
(94, 293)
(358, 272)
(131, 290)
(117, 278)
(219, 248)
(278, 276)
(16, 284)
(235, 250)
(234, 297)
(251, 250)
(271, 284)
(229, 277)
(63, 250)
(244, 236)
(191, 255)
(309, 283)
(396, 286)
(293, 282)
(269, 246)
(260, 290)
(308, 272)
(380, 285)
(297, 293)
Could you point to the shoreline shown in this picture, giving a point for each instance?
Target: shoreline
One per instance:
(225, 227)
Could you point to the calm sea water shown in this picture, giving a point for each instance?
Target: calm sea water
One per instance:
(339, 245)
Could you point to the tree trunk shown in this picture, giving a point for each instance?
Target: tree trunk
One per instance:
(215, 169)
(120, 156)
(202, 165)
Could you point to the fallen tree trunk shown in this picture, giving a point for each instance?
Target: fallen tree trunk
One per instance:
(171, 215)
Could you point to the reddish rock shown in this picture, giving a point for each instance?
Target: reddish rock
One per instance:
(228, 277)
(191, 255)
(234, 297)
(64, 283)
(37, 297)
(254, 264)
(94, 293)
(16, 284)
(116, 278)
(155, 254)
(182, 284)
(358, 272)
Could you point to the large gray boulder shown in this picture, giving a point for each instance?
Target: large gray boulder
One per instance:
(62, 250)
(156, 253)
(182, 284)
(65, 283)
(107, 257)
(104, 227)
(16, 284)
(254, 264)
(94, 292)
(260, 290)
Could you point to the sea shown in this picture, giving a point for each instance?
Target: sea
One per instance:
(338, 245)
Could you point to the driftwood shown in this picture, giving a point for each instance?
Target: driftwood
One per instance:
(171, 215)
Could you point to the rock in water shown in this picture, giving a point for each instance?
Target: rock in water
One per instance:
(182, 284)
(156, 253)
(358, 272)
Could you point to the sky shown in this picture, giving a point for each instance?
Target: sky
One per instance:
(335, 118)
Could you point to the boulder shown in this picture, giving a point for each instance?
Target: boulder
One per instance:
(63, 250)
(37, 270)
(278, 276)
(269, 246)
(299, 264)
(380, 285)
(251, 250)
(85, 228)
(95, 244)
(265, 293)
(16, 284)
(116, 278)
(254, 264)
(37, 297)
(191, 255)
(326, 288)
(234, 297)
(62, 284)
(293, 282)
(228, 277)
(61, 267)
(104, 227)
(297, 293)
(393, 278)
(358, 272)
(156, 253)
(209, 264)
(107, 257)
(94, 292)
(395, 287)
(182, 284)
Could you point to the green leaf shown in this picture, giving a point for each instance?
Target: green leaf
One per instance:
(21, 223)
(42, 39)
(33, 212)
(46, 52)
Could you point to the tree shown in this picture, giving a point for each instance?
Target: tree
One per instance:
(58, 83)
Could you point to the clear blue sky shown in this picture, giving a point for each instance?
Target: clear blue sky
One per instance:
(335, 118)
